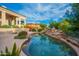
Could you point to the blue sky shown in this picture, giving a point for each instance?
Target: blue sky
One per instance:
(39, 12)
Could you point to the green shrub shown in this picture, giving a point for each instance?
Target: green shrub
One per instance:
(21, 35)
(14, 26)
(5, 26)
(15, 51)
(39, 30)
(34, 30)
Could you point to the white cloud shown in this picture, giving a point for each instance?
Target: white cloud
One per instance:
(4, 6)
(44, 11)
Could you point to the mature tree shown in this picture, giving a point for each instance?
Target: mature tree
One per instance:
(73, 15)
(54, 24)
(73, 18)
(43, 26)
(64, 25)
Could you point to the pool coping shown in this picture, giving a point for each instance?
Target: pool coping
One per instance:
(71, 45)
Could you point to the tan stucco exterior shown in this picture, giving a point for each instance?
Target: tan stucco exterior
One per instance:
(31, 26)
(8, 17)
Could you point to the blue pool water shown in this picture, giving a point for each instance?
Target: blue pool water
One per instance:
(42, 45)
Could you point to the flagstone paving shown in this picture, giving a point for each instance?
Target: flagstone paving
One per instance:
(7, 39)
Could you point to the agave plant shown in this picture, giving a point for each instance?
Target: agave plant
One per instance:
(15, 51)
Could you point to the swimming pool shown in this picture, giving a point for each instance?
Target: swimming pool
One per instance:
(43, 45)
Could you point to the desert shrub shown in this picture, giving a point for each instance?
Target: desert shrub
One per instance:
(34, 30)
(14, 26)
(14, 52)
(21, 35)
(5, 26)
(39, 30)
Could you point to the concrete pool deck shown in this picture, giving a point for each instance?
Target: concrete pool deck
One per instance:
(7, 39)
(66, 39)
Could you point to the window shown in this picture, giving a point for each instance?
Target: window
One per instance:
(18, 21)
(22, 22)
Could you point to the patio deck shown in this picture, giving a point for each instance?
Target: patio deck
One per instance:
(7, 39)
(68, 40)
